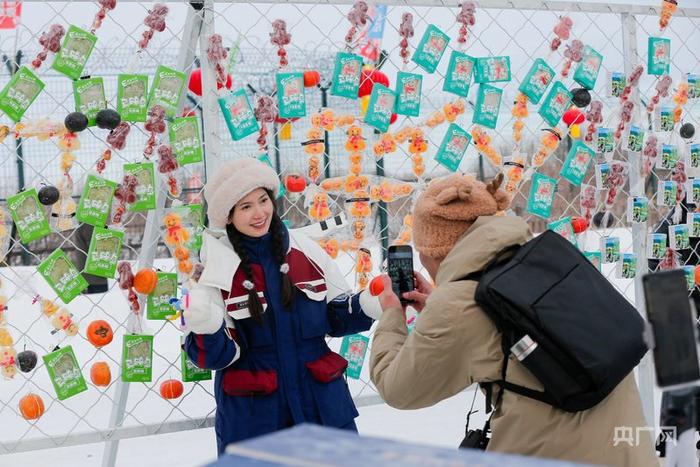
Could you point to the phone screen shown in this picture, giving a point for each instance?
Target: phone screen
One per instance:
(400, 264)
(673, 322)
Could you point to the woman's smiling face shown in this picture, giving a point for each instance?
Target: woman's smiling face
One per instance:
(252, 215)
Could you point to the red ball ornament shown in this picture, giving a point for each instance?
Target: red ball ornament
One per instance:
(580, 224)
(295, 183)
(195, 82)
(573, 116)
(311, 78)
(368, 77)
(393, 118)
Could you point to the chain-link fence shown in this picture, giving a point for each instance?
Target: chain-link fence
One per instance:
(521, 30)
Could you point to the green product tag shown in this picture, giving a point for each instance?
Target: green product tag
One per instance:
(346, 75)
(667, 192)
(158, 302)
(186, 140)
(430, 49)
(137, 358)
(611, 247)
(238, 115)
(381, 106)
(264, 157)
(666, 119)
(353, 349)
(694, 224)
(62, 275)
(659, 56)
(488, 103)
(408, 93)
(588, 68)
(192, 215)
(19, 93)
(453, 147)
(555, 104)
(606, 142)
(657, 245)
(291, 97)
(104, 252)
(638, 209)
(459, 74)
(132, 97)
(492, 69)
(618, 81)
(595, 257)
(564, 228)
(577, 162)
(96, 201)
(689, 276)
(64, 373)
(166, 89)
(75, 52)
(635, 139)
(629, 266)
(693, 86)
(146, 189)
(28, 215)
(89, 95)
(541, 196)
(669, 157)
(190, 371)
(679, 236)
(694, 155)
(537, 81)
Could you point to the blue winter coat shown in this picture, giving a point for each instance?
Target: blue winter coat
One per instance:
(281, 373)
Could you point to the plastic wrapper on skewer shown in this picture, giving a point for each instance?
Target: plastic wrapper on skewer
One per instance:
(8, 354)
(573, 54)
(615, 181)
(217, 55)
(358, 17)
(155, 21)
(266, 112)
(363, 267)
(155, 125)
(406, 32)
(632, 82)
(519, 112)
(417, 147)
(680, 98)
(178, 237)
(514, 173)
(466, 17)
(594, 116)
(168, 165)
(126, 283)
(281, 38)
(126, 195)
(482, 142)
(116, 139)
(668, 8)
(562, 31)
(650, 153)
(50, 41)
(662, 87)
(63, 211)
(105, 6)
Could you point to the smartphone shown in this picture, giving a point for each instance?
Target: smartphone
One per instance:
(400, 268)
(673, 319)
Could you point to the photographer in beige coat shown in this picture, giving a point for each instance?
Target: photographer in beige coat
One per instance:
(455, 344)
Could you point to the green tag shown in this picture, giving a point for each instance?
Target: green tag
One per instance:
(669, 157)
(64, 373)
(693, 86)
(577, 162)
(62, 275)
(291, 98)
(666, 119)
(238, 114)
(564, 228)
(595, 257)
(694, 155)
(657, 245)
(104, 252)
(190, 371)
(492, 69)
(146, 189)
(192, 215)
(666, 193)
(602, 174)
(453, 147)
(431, 48)
(689, 276)
(185, 140)
(408, 93)
(266, 159)
(605, 141)
(588, 68)
(158, 302)
(459, 74)
(132, 97)
(28, 215)
(75, 51)
(637, 209)
(346, 75)
(137, 358)
(541, 195)
(488, 103)
(629, 266)
(19, 93)
(679, 237)
(694, 224)
(166, 89)
(611, 247)
(537, 81)
(96, 201)
(555, 104)
(618, 81)
(381, 106)
(353, 349)
(89, 95)
(659, 56)
(635, 139)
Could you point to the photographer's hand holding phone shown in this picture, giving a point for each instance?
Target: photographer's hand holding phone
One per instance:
(387, 298)
(420, 294)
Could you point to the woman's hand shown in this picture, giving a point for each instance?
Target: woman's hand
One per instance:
(420, 294)
(388, 299)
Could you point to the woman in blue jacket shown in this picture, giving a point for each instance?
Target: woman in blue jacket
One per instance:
(261, 310)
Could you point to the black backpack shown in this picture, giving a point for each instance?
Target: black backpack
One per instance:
(562, 319)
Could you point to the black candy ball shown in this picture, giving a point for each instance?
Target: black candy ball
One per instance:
(598, 219)
(48, 195)
(27, 360)
(108, 119)
(75, 122)
(580, 97)
(687, 130)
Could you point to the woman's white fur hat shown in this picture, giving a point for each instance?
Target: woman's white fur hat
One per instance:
(232, 182)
